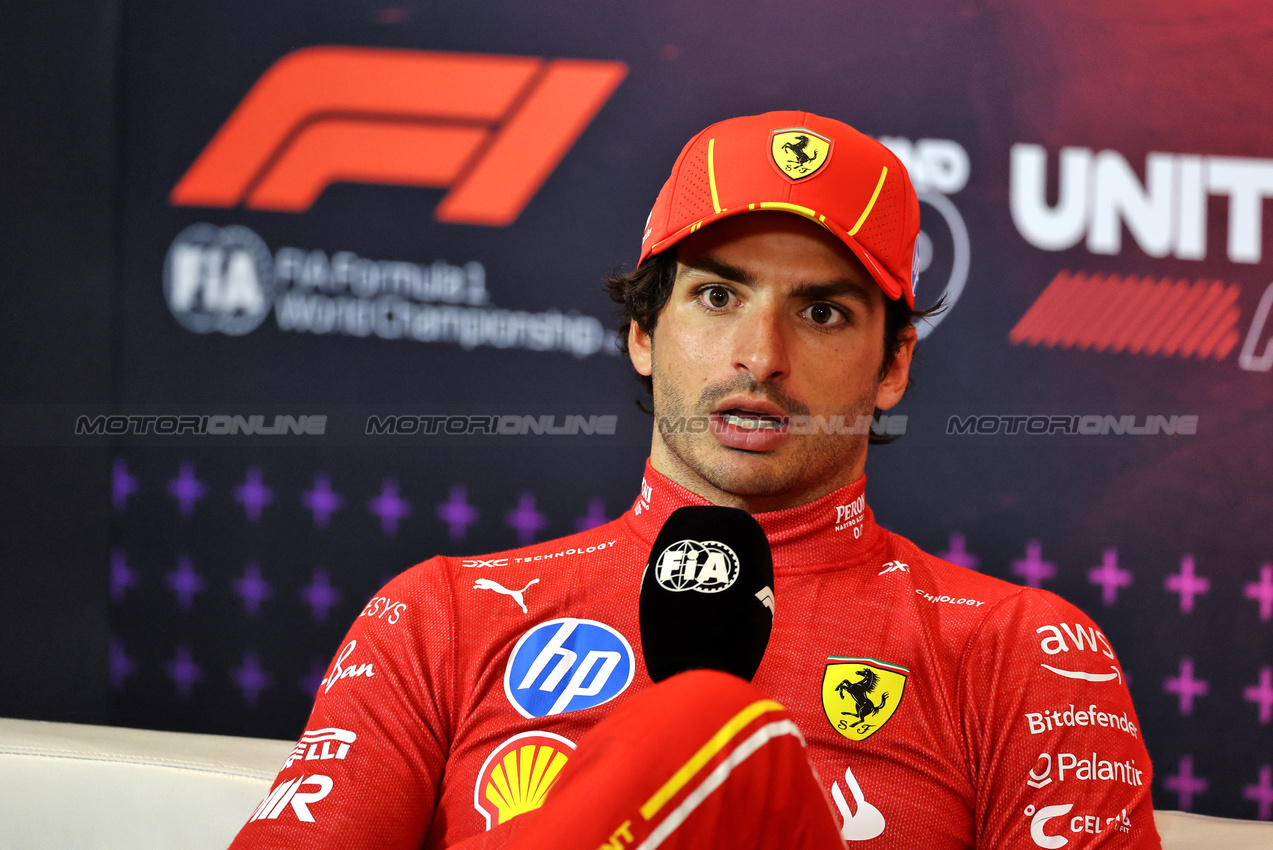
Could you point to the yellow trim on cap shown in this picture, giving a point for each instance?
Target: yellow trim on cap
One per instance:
(711, 173)
(870, 204)
(812, 215)
(717, 743)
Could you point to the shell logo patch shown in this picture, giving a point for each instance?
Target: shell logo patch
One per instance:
(859, 695)
(516, 776)
(799, 153)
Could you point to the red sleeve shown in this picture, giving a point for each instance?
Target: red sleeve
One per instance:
(367, 769)
(1051, 736)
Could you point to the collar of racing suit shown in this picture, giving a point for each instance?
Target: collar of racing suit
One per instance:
(822, 534)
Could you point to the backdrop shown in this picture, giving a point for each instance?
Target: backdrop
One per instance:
(345, 231)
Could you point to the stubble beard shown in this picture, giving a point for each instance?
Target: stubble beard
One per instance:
(806, 465)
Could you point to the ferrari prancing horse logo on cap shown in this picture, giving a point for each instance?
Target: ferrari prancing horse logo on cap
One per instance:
(799, 153)
(859, 695)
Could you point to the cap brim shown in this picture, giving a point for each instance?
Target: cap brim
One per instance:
(889, 285)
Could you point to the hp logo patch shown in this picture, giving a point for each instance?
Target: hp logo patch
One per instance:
(567, 665)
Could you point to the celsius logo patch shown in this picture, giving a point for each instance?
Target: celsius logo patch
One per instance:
(219, 279)
(517, 774)
(702, 565)
(859, 695)
(567, 665)
(1040, 818)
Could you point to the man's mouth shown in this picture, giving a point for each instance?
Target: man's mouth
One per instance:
(751, 420)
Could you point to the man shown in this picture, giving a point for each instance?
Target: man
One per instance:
(770, 313)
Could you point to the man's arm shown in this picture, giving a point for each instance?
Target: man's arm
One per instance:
(1053, 742)
(366, 771)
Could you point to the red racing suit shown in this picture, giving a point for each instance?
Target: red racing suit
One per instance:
(941, 708)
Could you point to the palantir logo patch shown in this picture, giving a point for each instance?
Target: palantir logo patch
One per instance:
(567, 665)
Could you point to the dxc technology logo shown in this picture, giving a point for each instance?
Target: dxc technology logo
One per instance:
(567, 665)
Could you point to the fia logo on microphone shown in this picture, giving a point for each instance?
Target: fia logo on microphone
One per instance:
(567, 665)
(702, 565)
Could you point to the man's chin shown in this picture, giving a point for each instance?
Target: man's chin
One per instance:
(749, 474)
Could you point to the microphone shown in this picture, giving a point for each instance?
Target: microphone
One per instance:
(707, 597)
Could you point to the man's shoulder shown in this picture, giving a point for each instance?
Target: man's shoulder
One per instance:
(940, 580)
(947, 576)
(590, 543)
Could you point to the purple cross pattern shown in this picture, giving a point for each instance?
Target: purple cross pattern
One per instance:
(1187, 584)
(184, 672)
(958, 553)
(253, 495)
(1262, 792)
(1261, 693)
(186, 489)
(1185, 784)
(595, 516)
(458, 514)
(310, 681)
(122, 577)
(185, 582)
(123, 485)
(526, 520)
(121, 666)
(1185, 686)
(1262, 592)
(1032, 568)
(1110, 577)
(250, 678)
(389, 506)
(252, 589)
(322, 501)
(320, 596)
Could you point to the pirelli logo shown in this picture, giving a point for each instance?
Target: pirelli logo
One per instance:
(489, 128)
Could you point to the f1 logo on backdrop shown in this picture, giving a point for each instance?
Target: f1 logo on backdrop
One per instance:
(567, 665)
(492, 128)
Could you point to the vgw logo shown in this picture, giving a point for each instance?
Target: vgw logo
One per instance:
(492, 128)
(567, 665)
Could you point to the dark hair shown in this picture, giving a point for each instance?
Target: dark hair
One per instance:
(641, 295)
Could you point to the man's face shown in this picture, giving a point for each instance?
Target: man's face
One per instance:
(771, 317)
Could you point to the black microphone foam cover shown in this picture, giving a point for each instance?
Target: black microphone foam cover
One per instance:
(707, 597)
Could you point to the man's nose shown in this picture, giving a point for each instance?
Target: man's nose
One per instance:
(760, 344)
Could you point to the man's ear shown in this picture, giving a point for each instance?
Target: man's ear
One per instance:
(640, 349)
(893, 385)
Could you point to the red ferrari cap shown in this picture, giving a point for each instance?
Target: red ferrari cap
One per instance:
(800, 163)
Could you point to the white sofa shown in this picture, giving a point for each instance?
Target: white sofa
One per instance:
(64, 785)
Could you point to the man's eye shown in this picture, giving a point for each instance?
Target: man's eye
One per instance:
(717, 297)
(824, 314)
